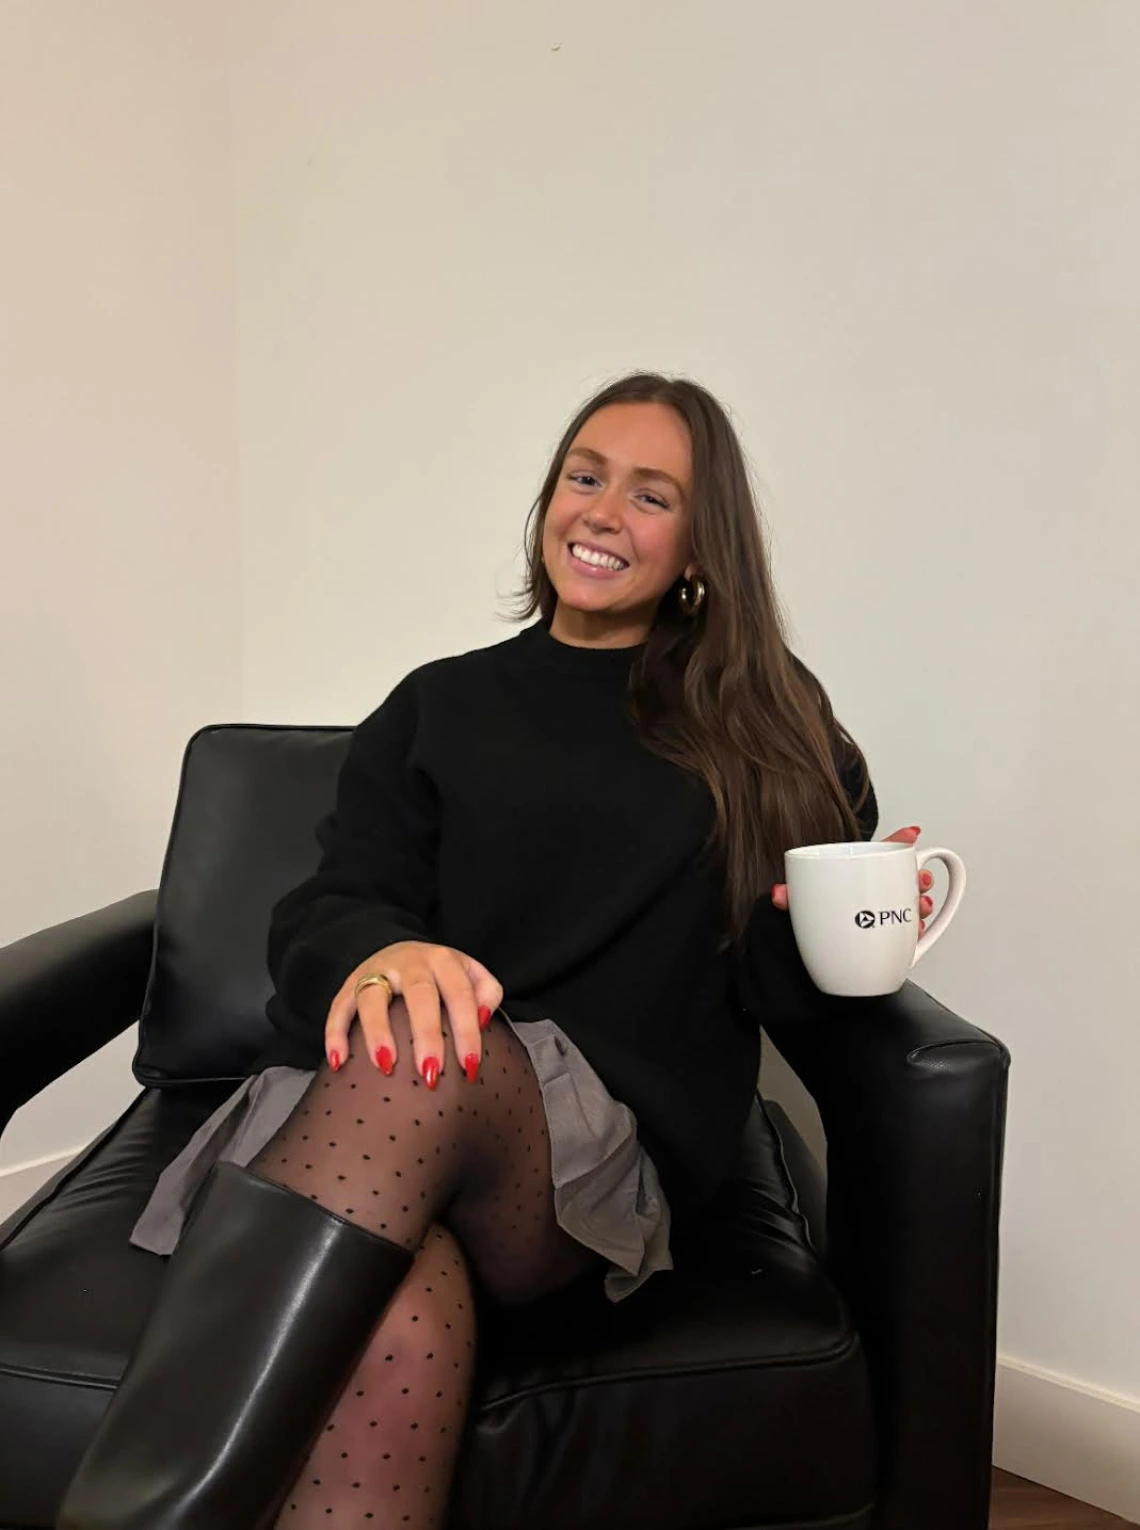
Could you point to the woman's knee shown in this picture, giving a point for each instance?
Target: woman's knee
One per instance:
(452, 1087)
(385, 1149)
(360, 1093)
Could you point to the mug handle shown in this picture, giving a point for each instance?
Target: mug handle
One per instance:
(941, 920)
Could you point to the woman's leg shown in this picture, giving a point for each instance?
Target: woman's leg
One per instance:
(460, 1173)
(387, 1454)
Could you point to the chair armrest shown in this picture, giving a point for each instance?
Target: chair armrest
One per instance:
(67, 990)
(912, 1100)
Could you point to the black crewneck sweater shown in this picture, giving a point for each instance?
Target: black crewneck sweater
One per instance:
(501, 802)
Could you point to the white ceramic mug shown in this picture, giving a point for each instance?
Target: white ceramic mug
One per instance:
(855, 912)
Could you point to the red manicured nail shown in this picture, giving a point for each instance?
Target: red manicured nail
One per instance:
(484, 1017)
(384, 1059)
(334, 1060)
(471, 1067)
(431, 1071)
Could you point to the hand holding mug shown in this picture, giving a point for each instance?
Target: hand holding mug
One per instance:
(856, 914)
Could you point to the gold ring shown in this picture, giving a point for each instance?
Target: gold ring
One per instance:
(374, 977)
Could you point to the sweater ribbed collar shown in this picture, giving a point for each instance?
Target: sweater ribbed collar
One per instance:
(569, 658)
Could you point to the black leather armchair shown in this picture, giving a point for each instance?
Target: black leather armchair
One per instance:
(822, 1356)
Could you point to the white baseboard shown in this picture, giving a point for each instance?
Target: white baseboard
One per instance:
(24, 1179)
(1068, 1436)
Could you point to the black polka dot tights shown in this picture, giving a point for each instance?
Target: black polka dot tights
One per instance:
(460, 1175)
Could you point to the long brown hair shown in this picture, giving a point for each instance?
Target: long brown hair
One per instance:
(721, 694)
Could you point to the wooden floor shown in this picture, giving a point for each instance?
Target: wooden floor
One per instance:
(1021, 1505)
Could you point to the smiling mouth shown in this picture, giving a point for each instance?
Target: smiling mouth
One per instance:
(597, 562)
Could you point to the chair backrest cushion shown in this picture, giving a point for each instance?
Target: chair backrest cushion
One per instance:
(244, 833)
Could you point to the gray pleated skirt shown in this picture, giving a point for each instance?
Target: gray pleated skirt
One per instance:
(607, 1193)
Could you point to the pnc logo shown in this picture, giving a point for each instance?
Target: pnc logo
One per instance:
(866, 920)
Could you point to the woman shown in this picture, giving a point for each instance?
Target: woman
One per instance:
(583, 822)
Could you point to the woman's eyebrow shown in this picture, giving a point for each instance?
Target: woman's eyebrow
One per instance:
(638, 472)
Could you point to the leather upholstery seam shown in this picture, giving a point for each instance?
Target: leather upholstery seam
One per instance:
(54, 1378)
(78, 1379)
(678, 1373)
(951, 1044)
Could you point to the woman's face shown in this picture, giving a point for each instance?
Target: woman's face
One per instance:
(623, 492)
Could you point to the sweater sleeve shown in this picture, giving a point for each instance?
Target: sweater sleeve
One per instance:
(375, 882)
(771, 979)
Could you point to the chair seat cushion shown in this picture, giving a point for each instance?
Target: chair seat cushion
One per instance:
(728, 1394)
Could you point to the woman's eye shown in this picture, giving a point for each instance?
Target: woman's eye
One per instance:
(589, 481)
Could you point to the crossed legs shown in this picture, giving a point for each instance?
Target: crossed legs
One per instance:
(460, 1175)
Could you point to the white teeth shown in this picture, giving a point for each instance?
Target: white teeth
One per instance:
(596, 559)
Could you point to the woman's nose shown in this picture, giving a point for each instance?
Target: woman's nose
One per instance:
(605, 510)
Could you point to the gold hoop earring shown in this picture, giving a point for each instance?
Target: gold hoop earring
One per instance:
(691, 596)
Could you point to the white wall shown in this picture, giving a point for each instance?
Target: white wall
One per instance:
(119, 580)
(901, 242)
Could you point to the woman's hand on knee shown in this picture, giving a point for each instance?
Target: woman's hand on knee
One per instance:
(428, 978)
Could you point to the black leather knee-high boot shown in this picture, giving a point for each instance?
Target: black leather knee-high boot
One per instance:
(267, 1305)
